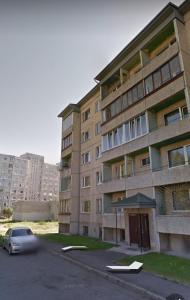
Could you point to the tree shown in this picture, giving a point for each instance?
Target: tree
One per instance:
(7, 212)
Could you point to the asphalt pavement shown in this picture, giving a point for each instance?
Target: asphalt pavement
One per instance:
(45, 276)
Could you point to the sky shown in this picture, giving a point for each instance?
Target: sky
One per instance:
(50, 53)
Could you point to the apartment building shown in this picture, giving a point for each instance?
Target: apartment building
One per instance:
(50, 182)
(33, 191)
(6, 168)
(27, 178)
(142, 190)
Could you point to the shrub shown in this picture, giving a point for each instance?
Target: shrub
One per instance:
(7, 212)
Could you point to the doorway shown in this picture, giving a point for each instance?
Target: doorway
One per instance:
(139, 231)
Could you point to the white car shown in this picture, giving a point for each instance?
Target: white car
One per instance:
(20, 239)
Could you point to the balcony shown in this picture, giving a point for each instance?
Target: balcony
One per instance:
(170, 132)
(109, 220)
(173, 224)
(152, 65)
(166, 176)
(113, 185)
(64, 218)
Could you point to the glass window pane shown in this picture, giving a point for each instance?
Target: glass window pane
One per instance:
(188, 153)
(127, 132)
(149, 84)
(143, 124)
(135, 96)
(172, 117)
(105, 142)
(140, 90)
(132, 124)
(181, 200)
(118, 105)
(184, 112)
(165, 71)
(129, 97)
(110, 144)
(176, 157)
(113, 109)
(157, 79)
(125, 102)
(138, 126)
(120, 134)
(175, 66)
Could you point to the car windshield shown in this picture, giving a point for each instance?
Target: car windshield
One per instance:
(21, 232)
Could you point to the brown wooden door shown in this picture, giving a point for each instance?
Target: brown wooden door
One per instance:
(139, 230)
(145, 231)
(134, 229)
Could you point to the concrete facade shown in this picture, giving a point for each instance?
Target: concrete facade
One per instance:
(143, 97)
(35, 211)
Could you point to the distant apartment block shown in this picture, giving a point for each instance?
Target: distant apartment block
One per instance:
(27, 178)
(125, 169)
(50, 182)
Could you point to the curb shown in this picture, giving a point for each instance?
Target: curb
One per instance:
(111, 278)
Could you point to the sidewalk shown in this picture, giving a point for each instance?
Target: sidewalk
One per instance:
(100, 258)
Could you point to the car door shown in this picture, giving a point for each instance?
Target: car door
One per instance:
(7, 238)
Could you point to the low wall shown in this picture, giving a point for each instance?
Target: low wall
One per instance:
(35, 211)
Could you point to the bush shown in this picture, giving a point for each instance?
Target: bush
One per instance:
(7, 212)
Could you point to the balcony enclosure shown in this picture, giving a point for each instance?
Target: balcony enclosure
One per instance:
(159, 43)
(155, 47)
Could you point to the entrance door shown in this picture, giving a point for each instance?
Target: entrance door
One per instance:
(134, 229)
(139, 230)
(145, 231)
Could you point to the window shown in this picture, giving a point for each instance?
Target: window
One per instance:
(110, 141)
(176, 157)
(105, 142)
(99, 206)
(157, 79)
(97, 106)
(86, 206)
(145, 161)
(118, 135)
(165, 72)
(67, 141)
(97, 128)
(131, 129)
(181, 200)
(85, 136)
(64, 206)
(137, 92)
(98, 151)
(188, 154)
(67, 122)
(184, 111)
(85, 182)
(148, 84)
(85, 158)
(172, 117)
(65, 183)
(176, 115)
(98, 178)
(86, 115)
(138, 126)
(127, 131)
(85, 230)
(175, 66)
(140, 90)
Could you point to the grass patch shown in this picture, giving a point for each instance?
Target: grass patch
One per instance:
(171, 267)
(73, 240)
(40, 227)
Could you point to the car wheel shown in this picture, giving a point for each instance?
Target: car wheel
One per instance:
(10, 250)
